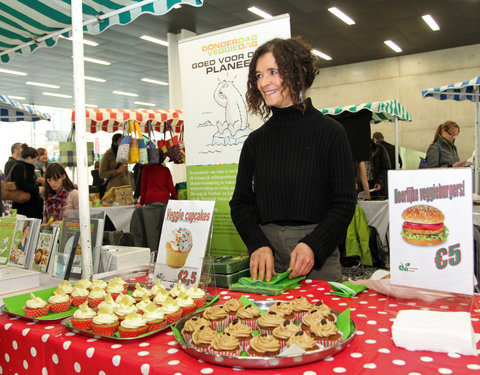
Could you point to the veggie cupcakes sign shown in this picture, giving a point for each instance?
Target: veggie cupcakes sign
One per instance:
(431, 240)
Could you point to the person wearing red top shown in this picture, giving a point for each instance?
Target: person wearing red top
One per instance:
(157, 185)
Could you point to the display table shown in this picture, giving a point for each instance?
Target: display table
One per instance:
(120, 215)
(41, 348)
(377, 216)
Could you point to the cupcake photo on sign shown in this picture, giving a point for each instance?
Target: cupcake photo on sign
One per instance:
(178, 247)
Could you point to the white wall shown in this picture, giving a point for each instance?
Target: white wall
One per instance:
(403, 78)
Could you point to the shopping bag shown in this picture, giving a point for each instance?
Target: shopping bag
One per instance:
(134, 153)
(174, 150)
(142, 147)
(68, 151)
(152, 149)
(123, 150)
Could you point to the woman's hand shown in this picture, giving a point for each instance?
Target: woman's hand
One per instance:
(261, 264)
(302, 260)
(459, 164)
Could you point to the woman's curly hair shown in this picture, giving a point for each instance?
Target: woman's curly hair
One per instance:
(296, 65)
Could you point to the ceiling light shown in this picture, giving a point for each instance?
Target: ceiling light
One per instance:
(14, 72)
(96, 61)
(154, 81)
(154, 40)
(143, 103)
(42, 85)
(124, 93)
(91, 105)
(337, 12)
(57, 95)
(321, 54)
(260, 12)
(431, 22)
(95, 79)
(85, 41)
(393, 46)
(16, 97)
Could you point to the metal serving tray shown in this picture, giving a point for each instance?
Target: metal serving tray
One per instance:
(264, 362)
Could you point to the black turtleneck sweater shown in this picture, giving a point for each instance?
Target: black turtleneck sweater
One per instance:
(296, 168)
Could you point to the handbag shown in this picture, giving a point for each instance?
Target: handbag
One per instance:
(134, 153)
(155, 154)
(174, 150)
(142, 147)
(123, 150)
(68, 151)
(10, 192)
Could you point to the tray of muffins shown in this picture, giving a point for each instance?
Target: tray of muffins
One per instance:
(265, 334)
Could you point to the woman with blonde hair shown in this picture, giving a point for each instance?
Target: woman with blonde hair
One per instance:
(442, 151)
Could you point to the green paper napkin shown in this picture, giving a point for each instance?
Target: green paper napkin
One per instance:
(346, 289)
(277, 285)
(178, 335)
(343, 323)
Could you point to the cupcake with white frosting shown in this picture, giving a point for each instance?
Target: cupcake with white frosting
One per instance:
(35, 307)
(83, 317)
(132, 326)
(105, 322)
(60, 301)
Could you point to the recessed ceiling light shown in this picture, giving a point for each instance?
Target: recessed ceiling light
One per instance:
(144, 103)
(149, 80)
(124, 93)
(154, 40)
(259, 12)
(321, 54)
(57, 95)
(337, 12)
(85, 41)
(14, 72)
(393, 46)
(91, 105)
(16, 97)
(96, 61)
(42, 85)
(431, 22)
(95, 79)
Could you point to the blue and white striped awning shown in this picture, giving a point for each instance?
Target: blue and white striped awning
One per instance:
(385, 110)
(467, 90)
(28, 25)
(12, 111)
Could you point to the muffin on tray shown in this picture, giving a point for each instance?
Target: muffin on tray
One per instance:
(264, 346)
(116, 288)
(160, 297)
(99, 283)
(139, 292)
(172, 311)
(225, 344)
(83, 317)
(79, 295)
(202, 337)
(177, 289)
(119, 280)
(304, 341)
(268, 321)
(108, 302)
(199, 296)
(36, 307)
(124, 307)
(284, 331)
(326, 333)
(85, 283)
(249, 315)
(231, 307)
(155, 317)
(324, 310)
(132, 326)
(186, 303)
(143, 303)
(157, 288)
(96, 296)
(285, 308)
(301, 306)
(314, 316)
(191, 325)
(66, 286)
(105, 322)
(60, 301)
(242, 332)
(217, 317)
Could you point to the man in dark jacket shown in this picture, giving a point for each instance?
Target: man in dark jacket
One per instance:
(379, 164)
(16, 149)
(378, 138)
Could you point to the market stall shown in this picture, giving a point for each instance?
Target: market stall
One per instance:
(385, 110)
(13, 111)
(466, 90)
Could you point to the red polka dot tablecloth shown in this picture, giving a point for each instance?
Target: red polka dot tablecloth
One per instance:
(42, 348)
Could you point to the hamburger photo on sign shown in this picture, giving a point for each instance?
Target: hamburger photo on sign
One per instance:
(424, 225)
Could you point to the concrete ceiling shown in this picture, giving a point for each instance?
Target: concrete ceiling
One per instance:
(133, 58)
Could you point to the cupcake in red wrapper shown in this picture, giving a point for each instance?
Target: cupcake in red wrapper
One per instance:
(324, 311)
(119, 280)
(249, 315)
(326, 333)
(139, 292)
(177, 289)
(60, 301)
(202, 337)
(285, 308)
(231, 307)
(115, 288)
(66, 286)
(264, 346)
(172, 311)
(36, 307)
(124, 307)
(83, 317)
(79, 295)
(217, 317)
(304, 341)
(132, 326)
(191, 325)
(157, 288)
(154, 317)
(241, 332)
(268, 321)
(99, 284)
(301, 306)
(225, 344)
(109, 302)
(284, 331)
(160, 297)
(105, 322)
(143, 303)
(84, 283)
(96, 296)
(199, 296)
(186, 303)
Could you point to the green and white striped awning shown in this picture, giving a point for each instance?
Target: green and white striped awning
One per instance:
(385, 110)
(28, 25)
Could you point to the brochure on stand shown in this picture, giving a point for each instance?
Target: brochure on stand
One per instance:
(24, 240)
(431, 240)
(185, 237)
(47, 237)
(7, 231)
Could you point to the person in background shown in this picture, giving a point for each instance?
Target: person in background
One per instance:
(98, 182)
(61, 195)
(137, 180)
(442, 151)
(378, 138)
(157, 185)
(15, 149)
(295, 190)
(23, 173)
(41, 165)
(377, 170)
(361, 178)
(115, 173)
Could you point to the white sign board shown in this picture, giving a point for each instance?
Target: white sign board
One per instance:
(431, 236)
(183, 241)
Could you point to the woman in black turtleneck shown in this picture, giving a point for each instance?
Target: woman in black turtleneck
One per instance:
(116, 174)
(295, 191)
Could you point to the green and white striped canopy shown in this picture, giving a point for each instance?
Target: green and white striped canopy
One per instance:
(385, 110)
(28, 25)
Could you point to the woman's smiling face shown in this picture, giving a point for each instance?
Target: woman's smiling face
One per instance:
(270, 82)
